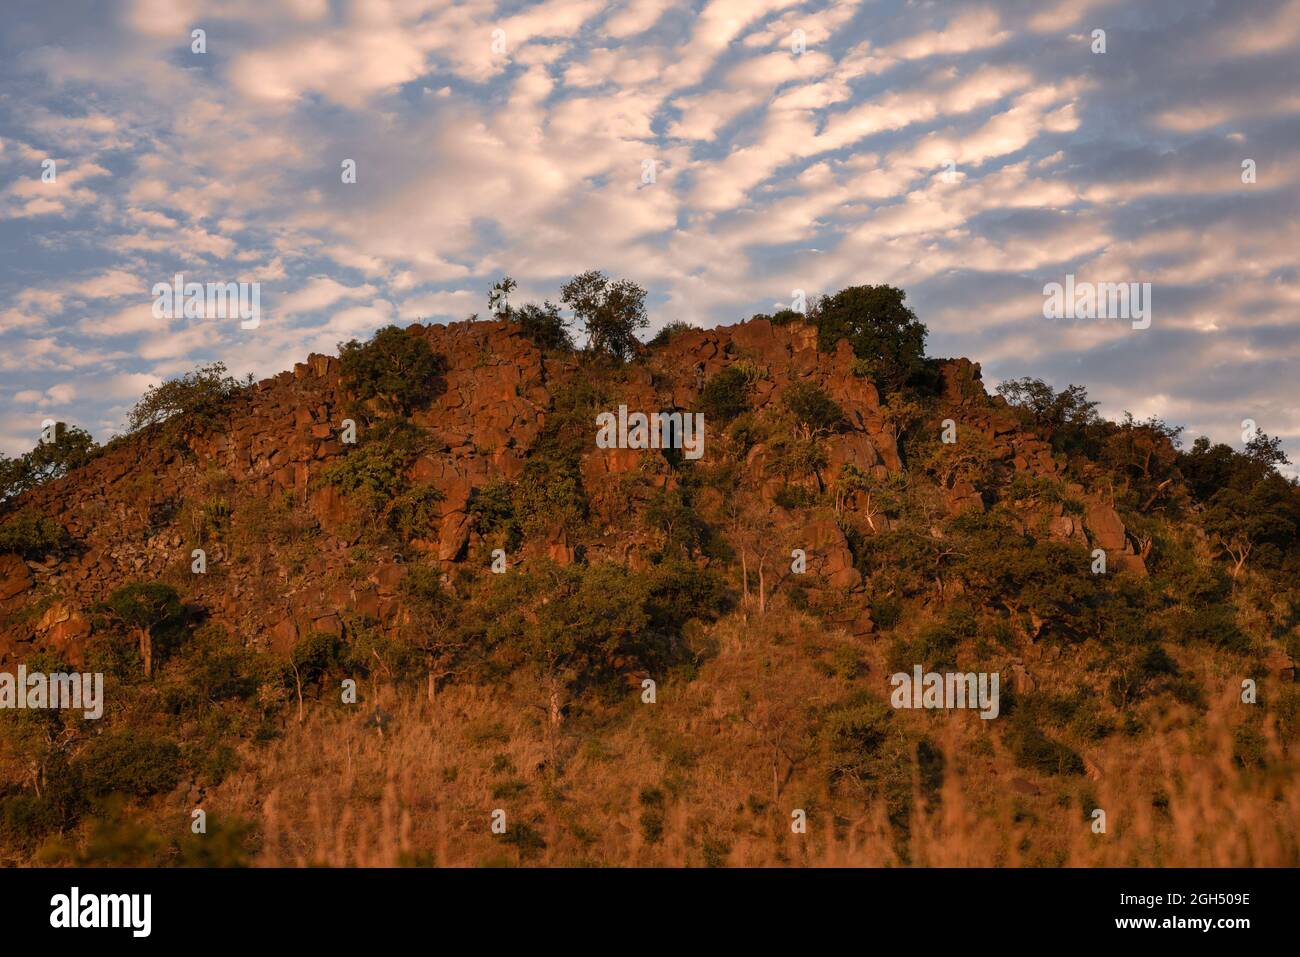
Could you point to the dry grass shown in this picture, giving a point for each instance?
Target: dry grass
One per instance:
(334, 791)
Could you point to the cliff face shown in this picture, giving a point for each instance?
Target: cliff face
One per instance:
(137, 511)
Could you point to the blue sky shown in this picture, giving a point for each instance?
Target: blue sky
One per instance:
(968, 152)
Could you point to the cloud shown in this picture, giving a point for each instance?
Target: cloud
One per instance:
(969, 152)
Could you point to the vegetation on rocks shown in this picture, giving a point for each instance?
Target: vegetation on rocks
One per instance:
(642, 658)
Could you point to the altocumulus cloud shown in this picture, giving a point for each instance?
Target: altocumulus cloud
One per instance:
(969, 152)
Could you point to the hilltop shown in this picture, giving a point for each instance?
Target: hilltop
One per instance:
(637, 656)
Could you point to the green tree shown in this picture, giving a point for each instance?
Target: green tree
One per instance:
(1062, 417)
(396, 370)
(153, 613)
(611, 312)
(881, 329)
(814, 411)
(499, 297)
(543, 325)
(188, 402)
(31, 534)
(69, 448)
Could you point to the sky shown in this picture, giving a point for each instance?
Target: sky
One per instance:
(728, 155)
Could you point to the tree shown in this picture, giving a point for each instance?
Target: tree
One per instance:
(543, 325)
(1266, 513)
(396, 369)
(668, 332)
(753, 528)
(153, 612)
(310, 659)
(499, 297)
(572, 624)
(610, 311)
(1144, 455)
(1266, 451)
(1062, 417)
(1251, 511)
(873, 496)
(193, 399)
(815, 412)
(70, 448)
(881, 329)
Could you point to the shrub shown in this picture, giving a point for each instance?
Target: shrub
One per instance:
(396, 369)
(130, 763)
(30, 534)
(549, 493)
(26, 818)
(725, 395)
(217, 668)
(194, 399)
(886, 611)
(1034, 750)
(652, 825)
(852, 734)
(668, 332)
(543, 325)
(492, 506)
(525, 838)
(814, 410)
(314, 654)
(679, 524)
(415, 513)
(375, 471)
(227, 843)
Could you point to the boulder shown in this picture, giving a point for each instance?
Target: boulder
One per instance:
(15, 577)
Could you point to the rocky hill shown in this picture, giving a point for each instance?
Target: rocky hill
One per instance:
(479, 542)
(123, 509)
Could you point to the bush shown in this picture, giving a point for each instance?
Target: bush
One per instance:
(194, 399)
(30, 534)
(415, 513)
(543, 325)
(26, 818)
(668, 332)
(152, 613)
(216, 668)
(375, 471)
(130, 763)
(1034, 750)
(549, 493)
(70, 448)
(492, 506)
(396, 369)
(852, 734)
(814, 410)
(725, 395)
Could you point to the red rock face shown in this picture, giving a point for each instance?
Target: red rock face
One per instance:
(122, 509)
(15, 579)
